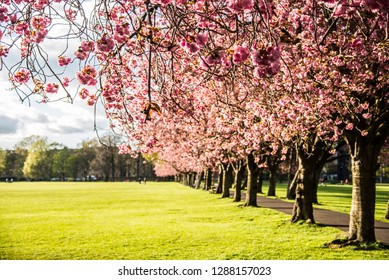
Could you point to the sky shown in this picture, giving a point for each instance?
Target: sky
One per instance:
(61, 122)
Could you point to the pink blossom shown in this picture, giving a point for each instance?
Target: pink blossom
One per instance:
(3, 14)
(357, 45)
(201, 39)
(84, 50)
(3, 51)
(22, 76)
(71, 14)
(40, 23)
(87, 76)
(65, 81)
(240, 5)
(162, 2)
(366, 116)
(40, 4)
(91, 100)
(364, 132)
(52, 88)
(350, 126)
(189, 47)
(39, 36)
(62, 60)
(241, 54)
(21, 27)
(105, 44)
(376, 4)
(83, 93)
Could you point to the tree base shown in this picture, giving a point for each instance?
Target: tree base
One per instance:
(358, 245)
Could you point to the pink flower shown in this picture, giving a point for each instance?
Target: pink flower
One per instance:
(189, 47)
(62, 60)
(201, 39)
(3, 14)
(40, 4)
(52, 88)
(39, 36)
(357, 45)
(83, 93)
(21, 28)
(92, 100)
(366, 116)
(240, 5)
(240, 54)
(3, 51)
(65, 81)
(22, 76)
(71, 14)
(40, 23)
(105, 44)
(84, 50)
(87, 76)
(350, 126)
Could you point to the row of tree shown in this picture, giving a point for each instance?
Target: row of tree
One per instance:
(214, 84)
(36, 158)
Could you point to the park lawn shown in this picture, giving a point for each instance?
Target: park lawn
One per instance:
(337, 197)
(157, 221)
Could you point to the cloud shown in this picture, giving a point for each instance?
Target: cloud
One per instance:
(8, 125)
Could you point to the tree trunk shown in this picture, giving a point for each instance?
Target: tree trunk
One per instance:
(260, 181)
(252, 177)
(293, 185)
(208, 179)
(272, 163)
(288, 193)
(310, 155)
(303, 206)
(219, 181)
(364, 153)
(227, 179)
(387, 211)
(199, 178)
(239, 171)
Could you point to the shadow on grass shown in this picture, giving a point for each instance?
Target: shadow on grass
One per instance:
(356, 245)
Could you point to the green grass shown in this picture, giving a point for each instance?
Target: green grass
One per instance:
(152, 222)
(338, 198)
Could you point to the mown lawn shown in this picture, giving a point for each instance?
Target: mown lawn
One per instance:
(152, 222)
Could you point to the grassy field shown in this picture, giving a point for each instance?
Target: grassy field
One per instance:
(157, 221)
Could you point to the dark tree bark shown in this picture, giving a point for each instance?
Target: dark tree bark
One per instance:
(291, 159)
(364, 153)
(260, 181)
(239, 171)
(292, 187)
(219, 188)
(208, 179)
(272, 163)
(227, 179)
(252, 177)
(199, 178)
(310, 155)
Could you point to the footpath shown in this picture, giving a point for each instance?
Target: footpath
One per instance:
(325, 217)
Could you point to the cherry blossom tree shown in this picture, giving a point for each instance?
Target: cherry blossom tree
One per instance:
(207, 82)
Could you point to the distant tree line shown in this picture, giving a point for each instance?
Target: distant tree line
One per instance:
(36, 158)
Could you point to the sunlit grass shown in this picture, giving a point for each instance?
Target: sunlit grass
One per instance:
(153, 221)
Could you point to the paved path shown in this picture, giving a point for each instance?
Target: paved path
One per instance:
(324, 217)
